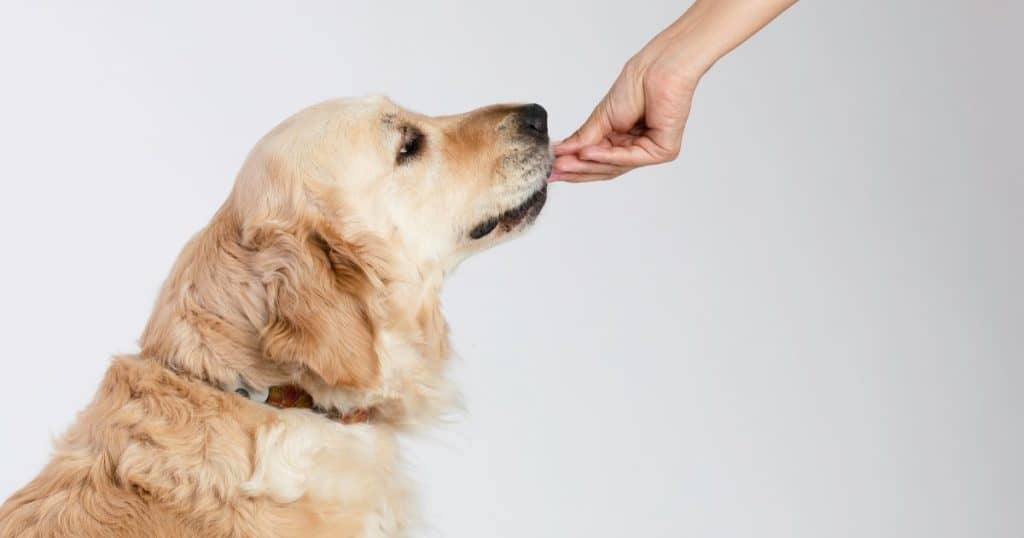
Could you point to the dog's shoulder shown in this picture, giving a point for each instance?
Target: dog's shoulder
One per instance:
(136, 455)
(157, 456)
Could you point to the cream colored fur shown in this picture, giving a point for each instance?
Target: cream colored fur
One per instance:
(323, 269)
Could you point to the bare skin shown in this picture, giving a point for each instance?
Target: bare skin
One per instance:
(641, 120)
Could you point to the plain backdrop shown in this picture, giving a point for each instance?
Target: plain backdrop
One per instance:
(811, 324)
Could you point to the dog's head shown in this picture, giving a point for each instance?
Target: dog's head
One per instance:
(434, 188)
(324, 265)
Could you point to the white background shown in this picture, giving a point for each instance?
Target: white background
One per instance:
(811, 324)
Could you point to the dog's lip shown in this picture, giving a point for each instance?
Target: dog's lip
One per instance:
(510, 218)
(528, 209)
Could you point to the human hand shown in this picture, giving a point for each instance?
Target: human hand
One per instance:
(639, 122)
(641, 119)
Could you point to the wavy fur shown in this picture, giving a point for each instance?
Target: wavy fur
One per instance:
(322, 269)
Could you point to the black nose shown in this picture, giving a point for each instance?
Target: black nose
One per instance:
(533, 120)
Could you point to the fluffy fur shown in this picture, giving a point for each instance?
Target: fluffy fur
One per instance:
(322, 269)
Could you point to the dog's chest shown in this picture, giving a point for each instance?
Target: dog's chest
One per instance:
(344, 476)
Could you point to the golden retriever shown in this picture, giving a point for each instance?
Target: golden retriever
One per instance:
(297, 334)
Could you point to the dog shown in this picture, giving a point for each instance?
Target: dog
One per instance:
(298, 334)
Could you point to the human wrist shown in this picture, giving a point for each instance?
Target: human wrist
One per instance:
(669, 61)
(710, 29)
(686, 49)
(688, 59)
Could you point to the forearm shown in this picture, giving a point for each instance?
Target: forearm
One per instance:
(709, 30)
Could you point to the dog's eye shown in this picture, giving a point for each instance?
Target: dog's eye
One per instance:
(412, 142)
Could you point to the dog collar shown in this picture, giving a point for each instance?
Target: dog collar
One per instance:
(295, 397)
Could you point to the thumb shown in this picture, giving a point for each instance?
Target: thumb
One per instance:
(590, 133)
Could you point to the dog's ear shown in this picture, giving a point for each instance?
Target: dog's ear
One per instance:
(319, 303)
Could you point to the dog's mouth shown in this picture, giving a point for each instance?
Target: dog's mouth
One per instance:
(510, 219)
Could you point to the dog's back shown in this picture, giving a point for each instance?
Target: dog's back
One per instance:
(82, 492)
(70, 498)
